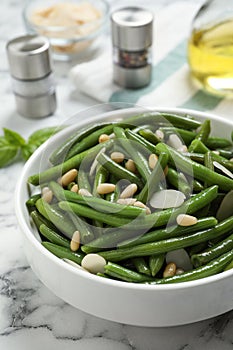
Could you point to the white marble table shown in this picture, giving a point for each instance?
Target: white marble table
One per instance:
(31, 317)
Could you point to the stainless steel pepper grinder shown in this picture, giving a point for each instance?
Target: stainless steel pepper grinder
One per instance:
(32, 79)
(132, 36)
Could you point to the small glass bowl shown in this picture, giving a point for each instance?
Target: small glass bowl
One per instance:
(68, 41)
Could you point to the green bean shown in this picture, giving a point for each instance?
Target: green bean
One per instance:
(197, 248)
(204, 131)
(108, 240)
(31, 202)
(199, 171)
(141, 266)
(212, 268)
(197, 186)
(217, 142)
(140, 140)
(149, 136)
(169, 232)
(141, 127)
(113, 196)
(208, 162)
(125, 274)
(170, 244)
(228, 154)
(74, 162)
(213, 252)
(138, 158)
(83, 180)
(53, 236)
(177, 181)
(90, 213)
(63, 252)
(39, 219)
(89, 141)
(197, 146)
(60, 220)
(155, 263)
(164, 118)
(197, 157)
(153, 181)
(98, 204)
(229, 266)
(101, 176)
(59, 154)
(117, 170)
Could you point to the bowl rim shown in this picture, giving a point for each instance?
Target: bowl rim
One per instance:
(57, 29)
(120, 284)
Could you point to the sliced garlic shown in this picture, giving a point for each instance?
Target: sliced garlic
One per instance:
(167, 199)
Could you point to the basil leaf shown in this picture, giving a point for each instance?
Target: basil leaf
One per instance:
(40, 136)
(3, 141)
(13, 137)
(7, 154)
(27, 150)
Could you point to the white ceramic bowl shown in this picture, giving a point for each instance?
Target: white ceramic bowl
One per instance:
(141, 305)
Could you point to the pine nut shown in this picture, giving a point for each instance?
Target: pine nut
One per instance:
(142, 205)
(105, 188)
(74, 188)
(129, 191)
(183, 149)
(47, 194)
(75, 241)
(84, 192)
(216, 152)
(170, 270)
(45, 189)
(153, 159)
(186, 220)
(159, 134)
(69, 177)
(231, 160)
(130, 165)
(174, 141)
(104, 138)
(179, 271)
(126, 201)
(93, 263)
(117, 157)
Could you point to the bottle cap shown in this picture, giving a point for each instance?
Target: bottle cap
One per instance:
(132, 28)
(29, 57)
(30, 68)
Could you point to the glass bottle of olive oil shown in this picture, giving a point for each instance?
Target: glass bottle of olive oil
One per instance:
(210, 47)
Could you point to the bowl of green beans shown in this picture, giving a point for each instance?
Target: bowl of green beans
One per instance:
(128, 215)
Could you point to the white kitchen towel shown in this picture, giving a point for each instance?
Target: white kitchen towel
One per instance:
(171, 84)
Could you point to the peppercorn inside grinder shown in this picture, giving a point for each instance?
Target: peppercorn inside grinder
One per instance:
(132, 36)
(32, 78)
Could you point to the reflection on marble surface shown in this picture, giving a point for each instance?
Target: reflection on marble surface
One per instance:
(32, 317)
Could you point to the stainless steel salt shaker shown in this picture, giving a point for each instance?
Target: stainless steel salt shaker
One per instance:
(132, 36)
(32, 78)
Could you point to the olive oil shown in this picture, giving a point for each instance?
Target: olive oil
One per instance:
(210, 55)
